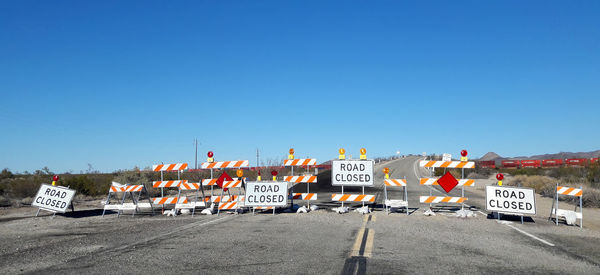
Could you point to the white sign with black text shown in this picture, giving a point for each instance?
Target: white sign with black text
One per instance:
(511, 200)
(53, 198)
(352, 172)
(266, 194)
(446, 157)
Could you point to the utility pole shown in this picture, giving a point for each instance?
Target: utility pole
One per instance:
(257, 163)
(196, 155)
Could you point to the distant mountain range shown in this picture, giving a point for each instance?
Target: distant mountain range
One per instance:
(561, 155)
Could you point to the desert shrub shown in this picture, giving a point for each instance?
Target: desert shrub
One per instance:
(475, 176)
(23, 187)
(543, 185)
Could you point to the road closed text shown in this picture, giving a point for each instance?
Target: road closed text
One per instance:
(266, 194)
(352, 172)
(510, 200)
(53, 198)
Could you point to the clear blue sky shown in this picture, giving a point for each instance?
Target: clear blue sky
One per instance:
(123, 83)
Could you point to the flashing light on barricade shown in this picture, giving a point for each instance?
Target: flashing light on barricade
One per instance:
(54, 180)
(386, 171)
(463, 154)
(499, 177)
(210, 157)
(239, 173)
(274, 174)
(342, 153)
(258, 177)
(363, 153)
(291, 155)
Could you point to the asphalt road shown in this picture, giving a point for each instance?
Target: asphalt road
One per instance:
(320, 242)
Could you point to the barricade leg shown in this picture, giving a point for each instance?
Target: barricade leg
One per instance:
(556, 209)
(385, 198)
(406, 200)
(581, 208)
(122, 201)
(103, 211)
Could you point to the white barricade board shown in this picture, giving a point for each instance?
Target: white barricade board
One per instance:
(510, 200)
(266, 194)
(352, 173)
(53, 198)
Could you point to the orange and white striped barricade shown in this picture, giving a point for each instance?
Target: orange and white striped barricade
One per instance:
(226, 198)
(266, 195)
(355, 173)
(162, 200)
(293, 180)
(388, 204)
(441, 199)
(169, 200)
(125, 189)
(353, 198)
(461, 183)
(308, 179)
(179, 167)
(212, 182)
(446, 164)
(432, 164)
(231, 202)
(191, 186)
(567, 191)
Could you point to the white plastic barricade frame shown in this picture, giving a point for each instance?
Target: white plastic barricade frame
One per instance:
(388, 203)
(567, 191)
(130, 190)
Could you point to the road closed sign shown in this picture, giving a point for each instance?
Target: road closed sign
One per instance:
(352, 172)
(266, 194)
(53, 198)
(511, 200)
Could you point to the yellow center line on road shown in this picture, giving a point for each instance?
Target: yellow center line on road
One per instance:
(363, 245)
(369, 245)
(358, 243)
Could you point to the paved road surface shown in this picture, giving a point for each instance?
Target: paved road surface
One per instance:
(319, 242)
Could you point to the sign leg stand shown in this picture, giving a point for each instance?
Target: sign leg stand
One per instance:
(363, 192)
